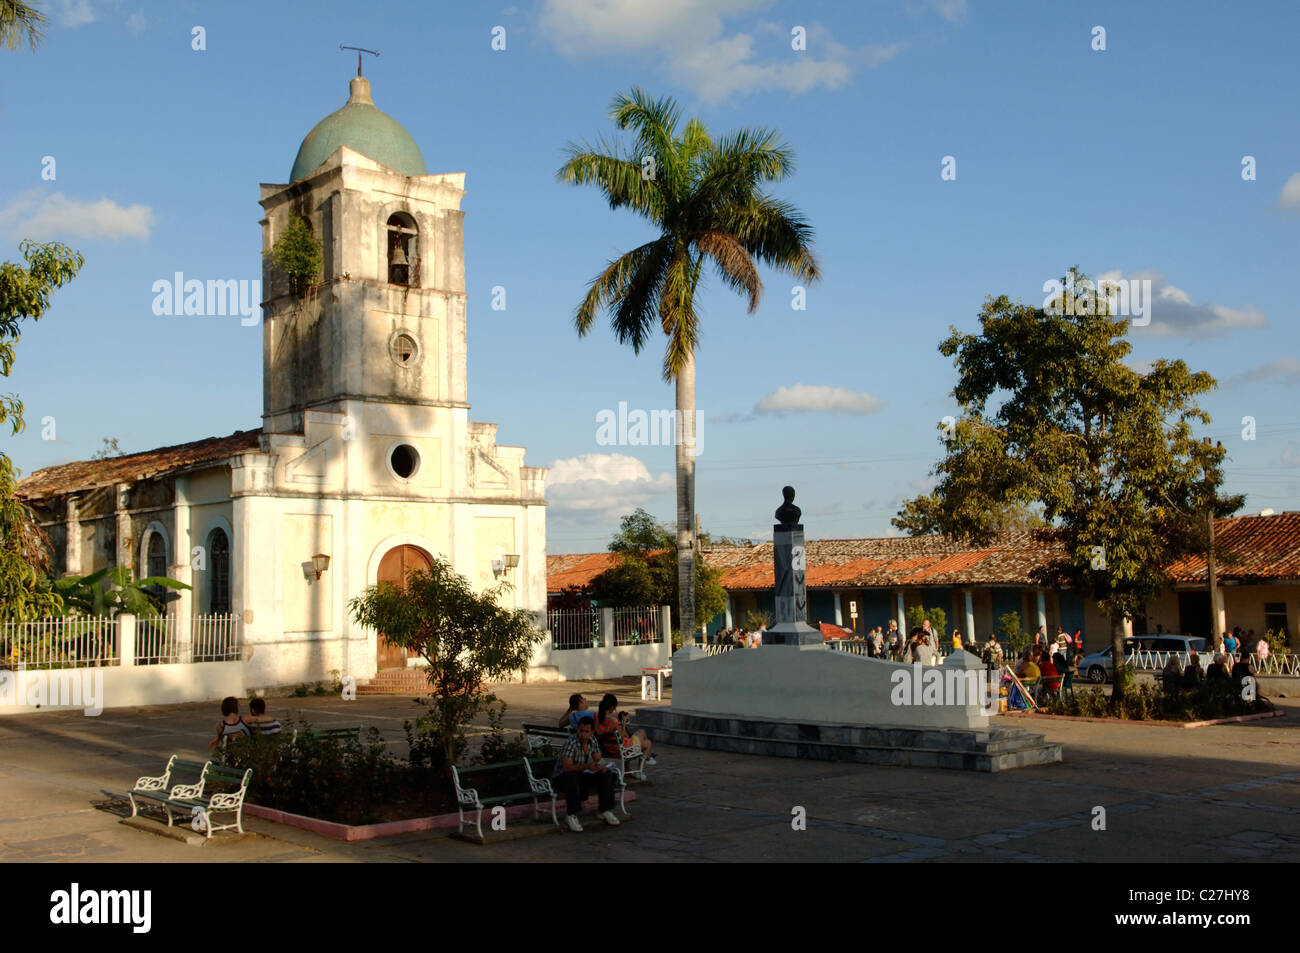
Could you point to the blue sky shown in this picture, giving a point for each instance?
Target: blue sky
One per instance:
(1125, 161)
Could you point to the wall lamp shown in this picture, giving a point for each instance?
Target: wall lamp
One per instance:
(503, 564)
(320, 562)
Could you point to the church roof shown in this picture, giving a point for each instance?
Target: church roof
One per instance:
(89, 474)
(360, 126)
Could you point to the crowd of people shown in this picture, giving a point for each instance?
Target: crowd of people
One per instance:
(583, 762)
(740, 638)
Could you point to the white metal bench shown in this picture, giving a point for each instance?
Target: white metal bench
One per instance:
(194, 800)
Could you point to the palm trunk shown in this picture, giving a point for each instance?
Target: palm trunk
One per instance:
(686, 450)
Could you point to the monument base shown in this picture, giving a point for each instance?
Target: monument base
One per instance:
(792, 633)
(991, 749)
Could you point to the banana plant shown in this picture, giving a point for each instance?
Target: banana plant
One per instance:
(86, 595)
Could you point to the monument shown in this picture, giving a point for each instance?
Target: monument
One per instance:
(791, 624)
(793, 696)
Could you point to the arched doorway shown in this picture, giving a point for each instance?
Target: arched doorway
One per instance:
(394, 567)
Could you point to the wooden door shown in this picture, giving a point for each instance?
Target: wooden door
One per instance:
(395, 565)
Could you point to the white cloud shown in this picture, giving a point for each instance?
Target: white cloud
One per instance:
(954, 11)
(689, 38)
(34, 214)
(1290, 197)
(603, 486)
(1173, 313)
(817, 398)
(74, 13)
(137, 22)
(1285, 369)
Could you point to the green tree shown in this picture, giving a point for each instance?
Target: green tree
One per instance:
(938, 621)
(1013, 633)
(644, 574)
(705, 198)
(298, 254)
(25, 590)
(1051, 416)
(18, 22)
(467, 638)
(90, 596)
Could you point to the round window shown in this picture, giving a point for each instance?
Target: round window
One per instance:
(404, 460)
(404, 350)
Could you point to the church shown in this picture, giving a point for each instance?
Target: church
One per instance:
(366, 463)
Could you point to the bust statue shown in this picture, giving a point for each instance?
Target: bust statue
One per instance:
(787, 513)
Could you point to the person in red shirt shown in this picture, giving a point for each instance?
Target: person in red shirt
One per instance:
(1051, 674)
(612, 733)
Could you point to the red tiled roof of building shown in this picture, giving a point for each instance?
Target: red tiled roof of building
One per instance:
(574, 569)
(1250, 547)
(89, 474)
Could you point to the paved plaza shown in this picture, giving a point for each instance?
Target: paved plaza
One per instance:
(1223, 793)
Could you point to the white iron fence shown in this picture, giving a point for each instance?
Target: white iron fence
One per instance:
(155, 640)
(215, 638)
(1275, 664)
(574, 628)
(636, 626)
(593, 628)
(59, 643)
(76, 642)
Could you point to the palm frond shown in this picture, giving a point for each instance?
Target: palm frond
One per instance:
(614, 284)
(618, 178)
(19, 20)
(777, 234)
(734, 263)
(677, 311)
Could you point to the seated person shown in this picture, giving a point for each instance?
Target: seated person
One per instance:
(259, 720)
(1172, 674)
(577, 709)
(612, 733)
(1217, 668)
(1242, 668)
(1028, 671)
(230, 725)
(1192, 674)
(1050, 673)
(579, 769)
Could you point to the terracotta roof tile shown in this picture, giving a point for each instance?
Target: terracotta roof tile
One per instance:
(89, 474)
(1251, 548)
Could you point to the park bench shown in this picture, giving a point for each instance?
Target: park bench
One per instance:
(198, 800)
(544, 737)
(341, 735)
(515, 779)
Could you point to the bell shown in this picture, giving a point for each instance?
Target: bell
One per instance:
(399, 256)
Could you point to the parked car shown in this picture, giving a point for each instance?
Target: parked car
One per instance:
(1099, 669)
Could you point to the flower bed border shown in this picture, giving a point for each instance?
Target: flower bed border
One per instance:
(1163, 723)
(359, 832)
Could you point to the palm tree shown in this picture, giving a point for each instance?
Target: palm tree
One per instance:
(20, 20)
(705, 198)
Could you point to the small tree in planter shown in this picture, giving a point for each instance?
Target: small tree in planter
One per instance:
(467, 638)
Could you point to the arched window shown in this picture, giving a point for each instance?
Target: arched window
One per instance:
(156, 559)
(219, 589)
(403, 250)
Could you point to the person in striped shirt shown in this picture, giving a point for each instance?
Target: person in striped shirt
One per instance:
(259, 720)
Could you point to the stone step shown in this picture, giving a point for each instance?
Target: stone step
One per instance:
(395, 681)
(990, 750)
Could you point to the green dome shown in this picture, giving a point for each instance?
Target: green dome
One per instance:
(361, 127)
